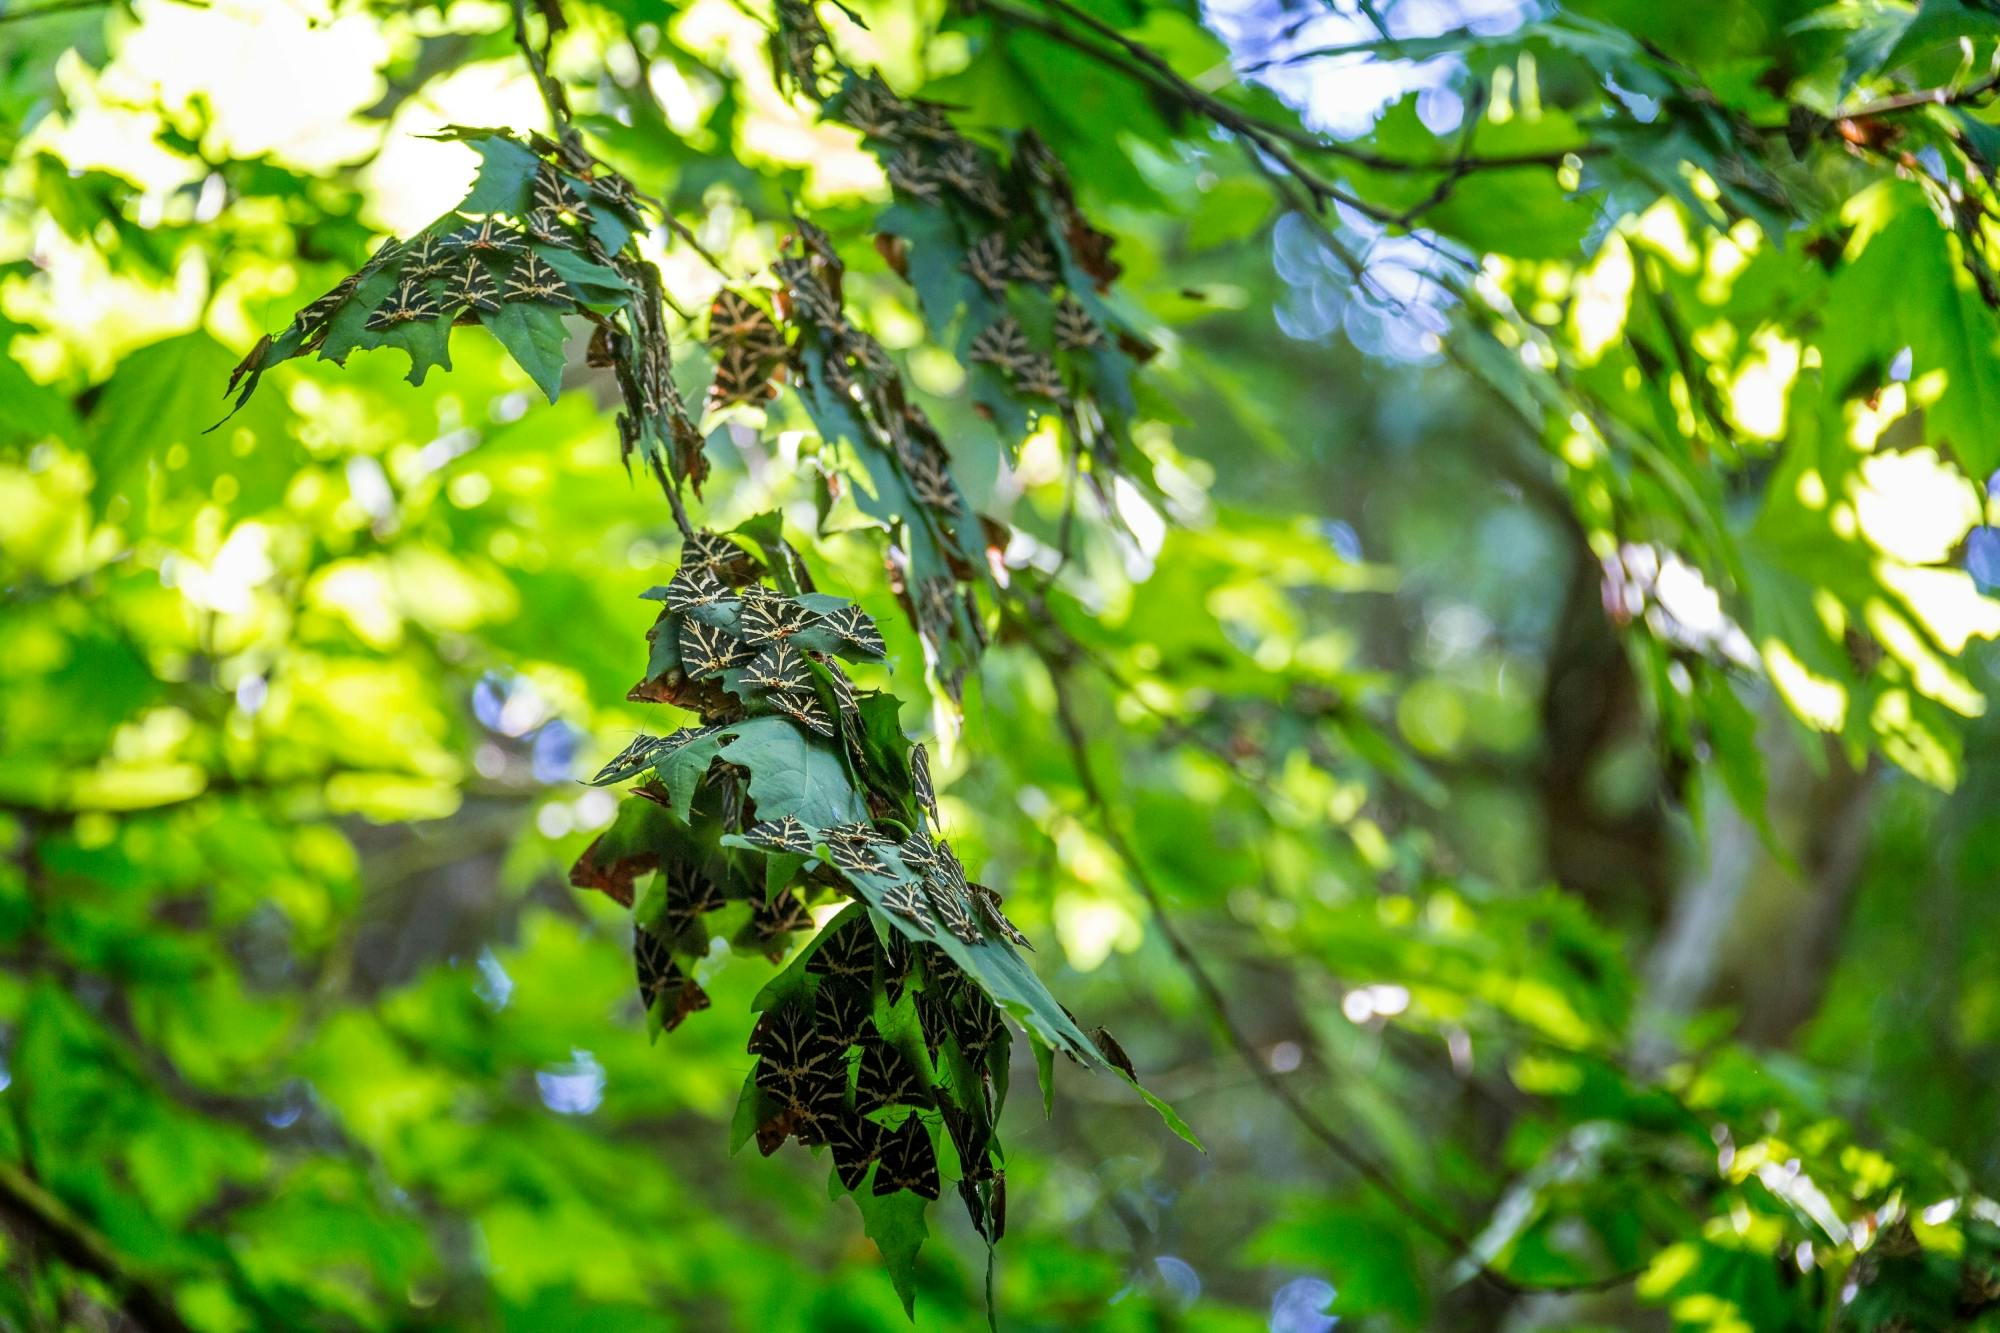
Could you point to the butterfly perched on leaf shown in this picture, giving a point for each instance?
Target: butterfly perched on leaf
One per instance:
(773, 919)
(842, 1014)
(988, 903)
(661, 981)
(931, 483)
(918, 852)
(954, 912)
(719, 557)
(845, 954)
(1033, 262)
(1040, 378)
(920, 780)
(779, 668)
(871, 108)
(790, 1053)
(908, 901)
(909, 175)
(706, 649)
(472, 289)
(735, 318)
(488, 236)
(534, 281)
(961, 168)
(810, 296)
(691, 589)
(786, 834)
(806, 710)
(769, 618)
(1075, 329)
(857, 1143)
(858, 859)
(554, 192)
(908, 1162)
(742, 375)
(691, 894)
(986, 262)
(856, 630)
(426, 256)
(1002, 344)
(638, 756)
(885, 1078)
(409, 303)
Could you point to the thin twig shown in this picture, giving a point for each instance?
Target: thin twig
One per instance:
(43, 11)
(1218, 1005)
(80, 1246)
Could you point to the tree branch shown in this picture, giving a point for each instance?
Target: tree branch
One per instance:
(77, 1244)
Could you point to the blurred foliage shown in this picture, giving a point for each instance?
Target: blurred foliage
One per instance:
(1495, 721)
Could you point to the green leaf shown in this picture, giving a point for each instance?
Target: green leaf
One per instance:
(534, 336)
(895, 1222)
(506, 175)
(790, 774)
(598, 284)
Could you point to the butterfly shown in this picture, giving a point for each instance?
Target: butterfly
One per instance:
(690, 896)
(407, 304)
(841, 1014)
(988, 903)
(1034, 156)
(930, 482)
(810, 296)
(986, 262)
(935, 611)
(487, 236)
(856, 630)
(1002, 344)
(779, 668)
(733, 317)
(546, 225)
(1075, 329)
(920, 780)
(857, 1143)
(1041, 378)
(533, 280)
(636, 757)
(843, 690)
(1034, 263)
(769, 618)
(781, 835)
(960, 168)
(816, 242)
(906, 901)
(950, 873)
(909, 175)
(855, 833)
(705, 649)
(715, 554)
(871, 356)
(979, 1026)
(322, 309)
(657, 970)
(615, 190)
(691, 589)
(858, 859)
(789, 1052)
(955, 913)
(553, 191)
(918, 852)
(927, 120)
(808, 712)
(845, 954)
(773, 919)
(814, 1109)
(742, 375)
(871, 108)
(425, 257)
(908, 1162)
(473, 289)
(885, 1078)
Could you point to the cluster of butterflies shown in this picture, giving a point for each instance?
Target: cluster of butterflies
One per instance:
(854, 390)
(471, 266)
(829, 1075)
